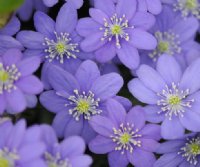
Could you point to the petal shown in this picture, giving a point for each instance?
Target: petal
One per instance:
(66, 20)
(172, 129)
(151, 131)
(98, 15)
(30, 85)
(87, 132)
(86, 74)
(141, 158)
(115, 159)
(107, 85)
(142, 39)
(2, 104)
(31, 39)
(28, 65)
(127, 104)
(101, 145)
(142, 93)
(72, 146)
(81, 160)
(44, 24)
(154, 6)
(109, 8)
(149, 145)
(77, 3)
(92, 42)
(60, 122)
(190, 121)
(190, 80)
(143, 20)
(12, 56)
(61, 80)
(126, 8)
(16, 101)
(129, 56)
(50, 3)
(136, 117)
(87, 26)
(172, 74)
(116, 111)
(52, 102)
(102, 125)
(106, 53)
(153, 114)
(151, 78)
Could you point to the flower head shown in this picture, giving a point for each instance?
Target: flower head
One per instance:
(124, 136)
(172, 95)
(76, 99)
(17, 83)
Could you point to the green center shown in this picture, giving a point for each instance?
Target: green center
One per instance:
(4, 76)
(125, 138)
(52, 165)
(116, 30)
(195, 149)
(191, 4)
(174, 100)
(4, 162)
(60, 47)
(83, 106)
(163, 46)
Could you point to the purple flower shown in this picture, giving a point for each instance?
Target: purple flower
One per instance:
(116, 30)
(17, 83)
(183, 152)
(20, 146)
(75, 99)
(175, 37)
(76, 3)
(124, 136)
(54, 41)
(70, 152)
(173, 96)
(6, 33)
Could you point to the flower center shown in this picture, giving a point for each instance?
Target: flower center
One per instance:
(4, 162)
(188, 7)
(8, 76)
(191, 150)
(60, 47)
(126, 138)
(168, 42)
(174, 101)
(116, 28)
(56, 161)
(82, 104)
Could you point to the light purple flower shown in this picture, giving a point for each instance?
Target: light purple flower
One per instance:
(20, 146)
(124, 136)
(18, 85)
(76, 3)
(183, 152)
(116, 30)
(75, 99)
(173, 96)
(175, 37)
(68, 153)
(55, 41)
(6, 33)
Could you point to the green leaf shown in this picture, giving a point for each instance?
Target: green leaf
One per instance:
(4, 18)
(10, 5)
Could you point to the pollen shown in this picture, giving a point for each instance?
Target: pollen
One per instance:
(195, 148)
(174, 100)
(4, 76)
(191, 4)
(163, 46)
(116, 30)
(83, 106)
(60, 47)
(4, 162)
(125, 138)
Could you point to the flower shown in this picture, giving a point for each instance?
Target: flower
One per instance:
(55, 41)
(68, 153)
(124, 136)
(175, 37)
(17, 83)
(17, 145)
(180, 152)
(172, 95)
(75, 99)
(6, 33)
(116, 30)
(76, 3)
